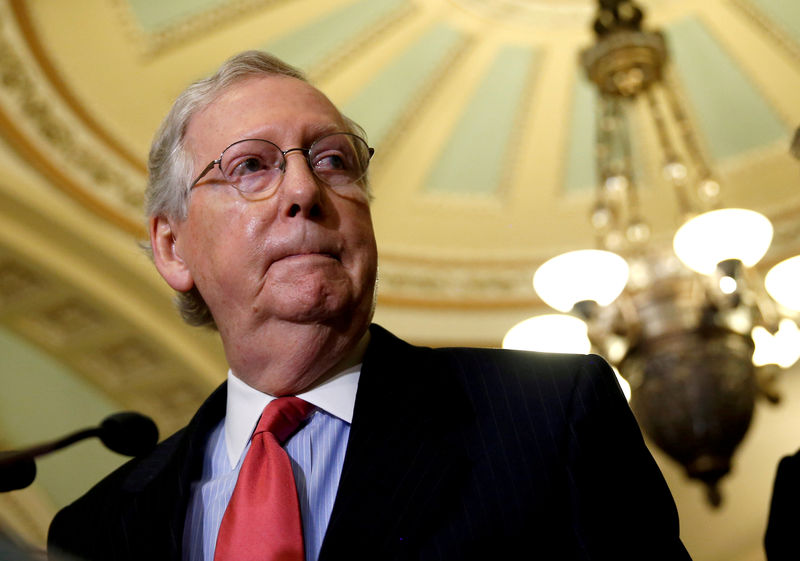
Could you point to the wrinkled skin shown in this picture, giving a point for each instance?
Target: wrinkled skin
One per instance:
(289, 279)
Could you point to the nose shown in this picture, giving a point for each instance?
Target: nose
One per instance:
(301, 190)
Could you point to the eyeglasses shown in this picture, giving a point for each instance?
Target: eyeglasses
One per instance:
(255, 167)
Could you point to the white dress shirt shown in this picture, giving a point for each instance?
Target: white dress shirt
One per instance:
(316, 452)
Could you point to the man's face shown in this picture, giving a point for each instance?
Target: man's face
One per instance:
(307, 253)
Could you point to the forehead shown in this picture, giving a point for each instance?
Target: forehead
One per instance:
(279, 108)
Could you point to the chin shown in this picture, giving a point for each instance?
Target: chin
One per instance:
(316, 310)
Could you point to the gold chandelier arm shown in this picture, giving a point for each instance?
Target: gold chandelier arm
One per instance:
(674, 168)
(708, 187)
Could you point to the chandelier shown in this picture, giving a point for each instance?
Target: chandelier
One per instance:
(692, 329)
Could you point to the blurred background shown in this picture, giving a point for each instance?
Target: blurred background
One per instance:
(487, 142)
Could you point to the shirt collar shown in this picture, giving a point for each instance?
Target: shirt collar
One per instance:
(336, 396)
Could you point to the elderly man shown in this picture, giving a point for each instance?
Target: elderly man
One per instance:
(260, 220)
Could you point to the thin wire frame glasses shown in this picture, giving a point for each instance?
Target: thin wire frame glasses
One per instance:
(255, 167)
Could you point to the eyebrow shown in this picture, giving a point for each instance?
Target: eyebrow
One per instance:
(309, 133)
(315, 131)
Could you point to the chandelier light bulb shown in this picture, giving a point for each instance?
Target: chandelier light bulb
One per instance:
(783, 283)
(583, 275)
(637, 232)
(616, 184)
(675, 171)
(601, 216)
(554, 333)
(731, 233)
(708, 190)
(727, 285)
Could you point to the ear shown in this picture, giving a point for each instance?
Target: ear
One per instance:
(171, 266)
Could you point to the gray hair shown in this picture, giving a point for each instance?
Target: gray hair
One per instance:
(170, 166)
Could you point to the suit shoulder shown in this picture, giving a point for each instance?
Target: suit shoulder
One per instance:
(559, 369)
(83, 527)
(486, 366)
(132, 475)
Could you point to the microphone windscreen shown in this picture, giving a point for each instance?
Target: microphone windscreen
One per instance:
(17, 475)
(129, 433)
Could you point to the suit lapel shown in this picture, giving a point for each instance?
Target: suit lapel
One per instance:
(405, 457)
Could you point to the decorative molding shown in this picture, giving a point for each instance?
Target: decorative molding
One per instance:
(407, 116)
(754, 158)
(68, 321)
(768, 27)
(451, 284)
(18, 283)
(762, 23)
(102, 347)
(525, 108)
(48, 134)
(28, 31)
(480, 283)
(44, 127)
(361, 42)
(191, 27)
(532, 14)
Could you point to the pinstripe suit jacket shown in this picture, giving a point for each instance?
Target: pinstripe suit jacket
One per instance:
(468, 454)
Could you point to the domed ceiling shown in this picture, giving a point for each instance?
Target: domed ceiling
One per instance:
(483, 125)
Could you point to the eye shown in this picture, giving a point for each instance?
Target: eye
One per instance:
(250, 157)
(330, 161)
(339, 158)
(246, 166)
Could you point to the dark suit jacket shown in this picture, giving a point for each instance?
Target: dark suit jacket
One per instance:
(454, 454)
(780, 540)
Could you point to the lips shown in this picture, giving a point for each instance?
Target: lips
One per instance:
(308, 244)
(311, 254)
(288, 254)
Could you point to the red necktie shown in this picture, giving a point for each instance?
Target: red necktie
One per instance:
(262, 521)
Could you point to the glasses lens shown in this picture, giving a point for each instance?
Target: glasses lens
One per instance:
(252, 166)
(339, 159)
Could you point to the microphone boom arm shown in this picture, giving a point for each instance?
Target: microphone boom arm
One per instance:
(8, 458)
(127, 433)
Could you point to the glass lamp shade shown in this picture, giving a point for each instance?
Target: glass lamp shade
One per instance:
(553, 333)
(783, 283)
(782, 349)
(576, 276)
(730, 233)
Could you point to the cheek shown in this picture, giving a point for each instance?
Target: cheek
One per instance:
(362, 242)
(366, 231)
(222, 238)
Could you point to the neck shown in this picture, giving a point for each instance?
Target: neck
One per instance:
(299, 358)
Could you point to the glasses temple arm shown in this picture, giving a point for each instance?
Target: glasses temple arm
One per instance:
(203, 173)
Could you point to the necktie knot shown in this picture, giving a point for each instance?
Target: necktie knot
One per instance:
(282, 417)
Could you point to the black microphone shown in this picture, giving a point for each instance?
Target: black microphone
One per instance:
(127, 433)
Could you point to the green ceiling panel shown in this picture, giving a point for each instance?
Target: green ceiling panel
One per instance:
(310, 45)
(475, 158)
(156, 15)
(732, 114)
(784, 13)
(378, 105)
(41, 401)
(581, 172)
